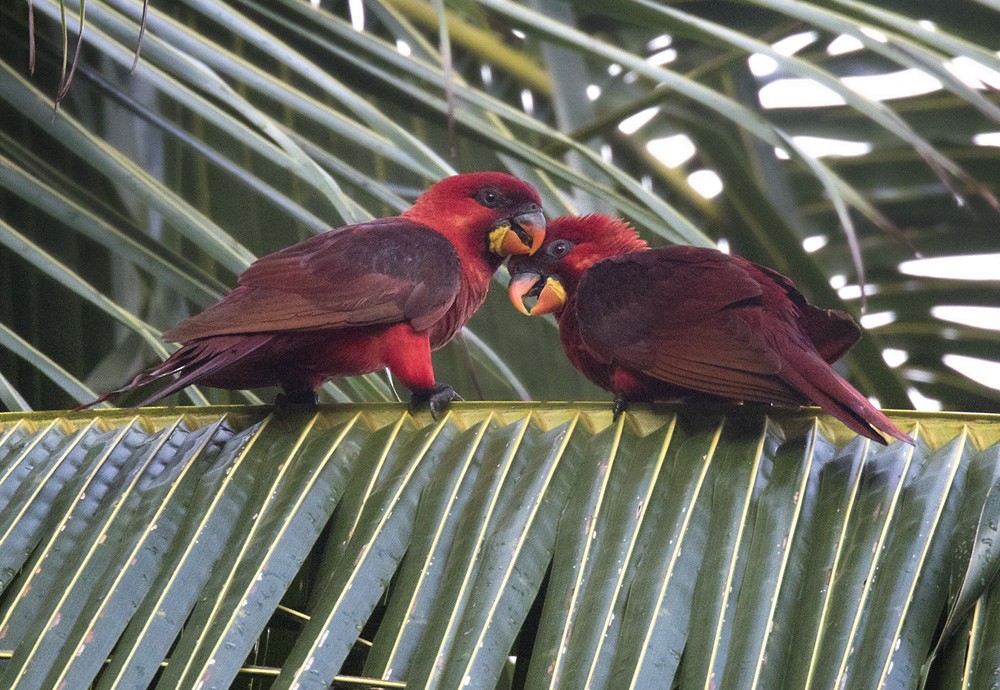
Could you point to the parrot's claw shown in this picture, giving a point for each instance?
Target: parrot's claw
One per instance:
(618, 406)
(436, 398)
(300, 398)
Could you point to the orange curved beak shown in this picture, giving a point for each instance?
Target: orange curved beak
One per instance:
(551, 294)
(523, 234)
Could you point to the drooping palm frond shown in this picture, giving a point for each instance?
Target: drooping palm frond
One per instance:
(245, 126)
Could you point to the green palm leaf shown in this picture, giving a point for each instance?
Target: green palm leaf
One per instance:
(246, 127)
(209, 546)
(505, 545)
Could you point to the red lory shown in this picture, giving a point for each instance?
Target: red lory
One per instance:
(688, 322)
(360, 298)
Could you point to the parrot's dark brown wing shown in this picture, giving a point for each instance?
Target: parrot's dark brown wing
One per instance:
(679, 314)
(831, 331)
(381, 272)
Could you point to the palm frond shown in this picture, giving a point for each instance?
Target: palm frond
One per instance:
(246, 126)
(211, 546)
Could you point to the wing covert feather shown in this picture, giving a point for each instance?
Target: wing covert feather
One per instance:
(831, 331)
(683, 315)
(381, 272)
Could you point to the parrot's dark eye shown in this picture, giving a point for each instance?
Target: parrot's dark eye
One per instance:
(490, 197)
(560, 248)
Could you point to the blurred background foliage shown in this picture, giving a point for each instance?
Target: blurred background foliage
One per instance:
(817, 138)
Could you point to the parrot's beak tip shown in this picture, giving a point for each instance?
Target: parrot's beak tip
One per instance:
(521, 286)
(552, 297)
(528, 231)
(537, 234)
(537, 239)
(549, 290)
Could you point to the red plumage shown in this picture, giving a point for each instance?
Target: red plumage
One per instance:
(683, 322)
(360, 298)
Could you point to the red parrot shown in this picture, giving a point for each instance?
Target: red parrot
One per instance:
(360, 298)
(683, 322)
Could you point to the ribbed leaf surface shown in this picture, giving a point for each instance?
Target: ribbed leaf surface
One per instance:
(527, 545)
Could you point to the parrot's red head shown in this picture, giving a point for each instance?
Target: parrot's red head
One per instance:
(572, 245)
(488, 214)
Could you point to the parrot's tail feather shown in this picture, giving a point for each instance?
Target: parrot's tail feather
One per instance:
(193, 362)
(809, 374)
(97, 401)
(140, 380)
